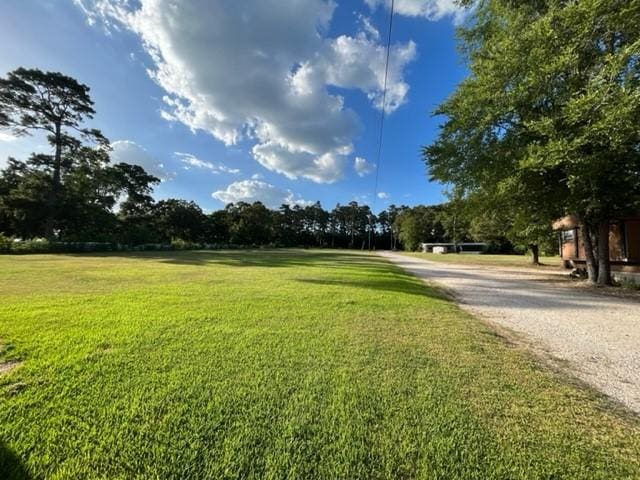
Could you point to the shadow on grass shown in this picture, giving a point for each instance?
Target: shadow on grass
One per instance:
(392, 285)
(251, 258)
(11, 467)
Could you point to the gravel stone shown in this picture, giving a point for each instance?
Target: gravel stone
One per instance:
(596, 337)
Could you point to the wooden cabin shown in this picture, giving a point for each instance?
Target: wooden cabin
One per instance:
(624, 245)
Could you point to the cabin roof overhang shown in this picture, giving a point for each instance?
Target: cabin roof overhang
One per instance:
(568, 222)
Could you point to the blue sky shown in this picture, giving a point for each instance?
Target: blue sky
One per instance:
(262, 99)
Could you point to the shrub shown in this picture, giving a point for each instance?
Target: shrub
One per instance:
(5, 244)
(179, 244)
(42, 245)
(150, 247)
(629, 283)
(34, 245)
(9, 245)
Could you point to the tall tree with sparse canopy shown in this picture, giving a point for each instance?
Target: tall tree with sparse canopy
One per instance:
(32, 100)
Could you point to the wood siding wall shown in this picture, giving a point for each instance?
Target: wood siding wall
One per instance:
(624, 243)
(632, 238)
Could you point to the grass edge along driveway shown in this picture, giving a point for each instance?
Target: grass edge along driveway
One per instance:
(490, 260)
(277, 364)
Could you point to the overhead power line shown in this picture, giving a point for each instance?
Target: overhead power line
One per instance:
(382, 115)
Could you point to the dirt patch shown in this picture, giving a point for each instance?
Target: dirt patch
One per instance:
(8, 366)
(565, 281)
(612, 291)
(15, 388)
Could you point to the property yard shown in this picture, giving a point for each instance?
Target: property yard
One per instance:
(277, 364)
(490, 260)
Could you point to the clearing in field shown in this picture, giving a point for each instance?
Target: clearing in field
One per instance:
(276, 364)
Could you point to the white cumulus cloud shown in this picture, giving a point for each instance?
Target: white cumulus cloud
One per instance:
(260, 70)
(383, 195)
(128, 151)
(7, 137)
(429, 9)
(258, 191)
(362, 167)
(358, 63)
(192, 161)
(21, 147)
(368, 27)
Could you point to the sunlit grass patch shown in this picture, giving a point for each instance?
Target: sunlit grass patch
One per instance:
(277, 364)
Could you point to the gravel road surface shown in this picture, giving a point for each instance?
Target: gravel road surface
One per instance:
(597, 336)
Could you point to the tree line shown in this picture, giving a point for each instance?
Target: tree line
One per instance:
(545, 125)
(548, 121)
(76, 194)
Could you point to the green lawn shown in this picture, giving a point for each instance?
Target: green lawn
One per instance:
(490, 260)
(277, 364)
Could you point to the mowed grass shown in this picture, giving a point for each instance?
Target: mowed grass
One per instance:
(277, 364)
(490, 260)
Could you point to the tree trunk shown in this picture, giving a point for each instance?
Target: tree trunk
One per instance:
(52, 197)
(604, 263)
(592, 261)
(535, 253)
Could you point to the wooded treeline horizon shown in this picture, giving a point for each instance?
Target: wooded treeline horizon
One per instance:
(112, 203)
(76, 194)
(545, 125)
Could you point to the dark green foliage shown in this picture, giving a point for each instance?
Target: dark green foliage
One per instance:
(547, 122)
(71, 194)
(248, 224)
(448, 222)
(350, 225)
(90, 190)
(23, 192)
(31, 99)
(420, 224)
(179, 219)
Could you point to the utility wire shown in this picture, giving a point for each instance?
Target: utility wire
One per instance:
(382, 115)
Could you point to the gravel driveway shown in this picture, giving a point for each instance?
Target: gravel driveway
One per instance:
(598, 336)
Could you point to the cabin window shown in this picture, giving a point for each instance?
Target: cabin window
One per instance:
(568, 236)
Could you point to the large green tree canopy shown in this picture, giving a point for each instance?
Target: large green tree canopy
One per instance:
(548, 121)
